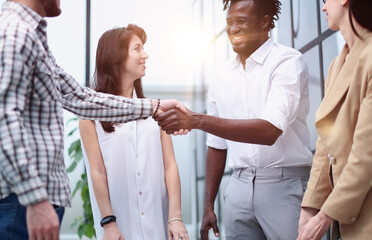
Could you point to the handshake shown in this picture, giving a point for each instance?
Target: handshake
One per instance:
(172, 116)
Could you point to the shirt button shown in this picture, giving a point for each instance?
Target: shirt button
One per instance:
(142, 213)
(140, 193)
(353, 220)
(331, 159)
(139, 174)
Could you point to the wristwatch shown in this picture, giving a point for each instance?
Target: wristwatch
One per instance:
(108, 219)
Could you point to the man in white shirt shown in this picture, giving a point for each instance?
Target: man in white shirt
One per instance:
(257, 112)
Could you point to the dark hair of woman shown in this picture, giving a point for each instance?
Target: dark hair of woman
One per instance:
(112, 50)
(264, 7)
(361, 10)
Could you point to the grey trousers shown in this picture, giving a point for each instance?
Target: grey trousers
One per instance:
(264, 203)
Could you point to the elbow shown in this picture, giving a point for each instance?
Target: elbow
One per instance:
(271, 138)
(269, 142)
(98, 174)
(170, 166)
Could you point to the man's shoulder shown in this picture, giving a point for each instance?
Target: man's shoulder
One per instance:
(283, 50)
(282, 54)
(12, 24)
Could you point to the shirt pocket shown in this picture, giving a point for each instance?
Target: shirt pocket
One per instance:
(45, 81)
(45, 112)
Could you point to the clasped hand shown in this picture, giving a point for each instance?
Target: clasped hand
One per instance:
(176, 120)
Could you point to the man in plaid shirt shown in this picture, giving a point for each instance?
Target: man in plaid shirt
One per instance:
(33, 92)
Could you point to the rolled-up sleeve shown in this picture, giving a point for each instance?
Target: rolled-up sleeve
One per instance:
(284, 97)
(212, 140)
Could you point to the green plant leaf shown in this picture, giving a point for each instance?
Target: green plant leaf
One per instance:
(71, 120)
(78, 156)
(75, 146)
(77, 187)
(89, 231)
(81, 230)
(72, 167)
(72, 132)
(84, 224)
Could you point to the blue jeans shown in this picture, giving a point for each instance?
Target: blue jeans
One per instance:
(13, 218)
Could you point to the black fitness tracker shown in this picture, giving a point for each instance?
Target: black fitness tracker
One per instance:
(108, 219)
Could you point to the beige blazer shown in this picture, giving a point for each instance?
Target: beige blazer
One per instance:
(344, 145)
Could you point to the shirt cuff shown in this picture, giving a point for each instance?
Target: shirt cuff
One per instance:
(216, 142)
(142, 108)
(30, 191)
(276, 118)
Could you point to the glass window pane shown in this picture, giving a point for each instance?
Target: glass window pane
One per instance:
(201, 192)
(323, 21)
(304, 22)
(223, 50)
(170, 34)
(208, 19)
(284, 24)
(312, 59)
(331, 50)
(220, 17)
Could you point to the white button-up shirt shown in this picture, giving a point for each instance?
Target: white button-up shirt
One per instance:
(133, 159)
(273, 87)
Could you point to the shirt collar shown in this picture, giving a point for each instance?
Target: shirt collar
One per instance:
(28, 15)
(258, 56)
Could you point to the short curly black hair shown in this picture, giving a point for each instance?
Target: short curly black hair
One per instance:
(265, 7)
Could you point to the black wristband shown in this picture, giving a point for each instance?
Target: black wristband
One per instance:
(108, 219)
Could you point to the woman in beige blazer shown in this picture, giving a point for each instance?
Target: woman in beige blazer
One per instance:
(339, 189)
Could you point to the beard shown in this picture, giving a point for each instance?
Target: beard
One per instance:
(51, 7)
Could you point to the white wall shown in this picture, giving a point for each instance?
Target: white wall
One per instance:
(171, 40)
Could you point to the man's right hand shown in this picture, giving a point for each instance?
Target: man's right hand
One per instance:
(167, 104)
(42, 221)
(209, 221)
(174, 120)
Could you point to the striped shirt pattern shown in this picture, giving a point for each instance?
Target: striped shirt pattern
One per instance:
(33, 92)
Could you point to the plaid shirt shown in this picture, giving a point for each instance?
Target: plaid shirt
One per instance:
(33, 92)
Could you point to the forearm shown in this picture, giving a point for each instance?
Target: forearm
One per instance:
(215, 167)
(171, 176)
(101, 192)
(88, 104)
(172, 181)
(255, 131)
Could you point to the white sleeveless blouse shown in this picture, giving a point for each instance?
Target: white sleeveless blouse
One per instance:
(133, 159)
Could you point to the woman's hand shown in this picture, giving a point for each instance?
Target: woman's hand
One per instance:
(316, 227)
(112, 232)
(177, 230)
(306, 214)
